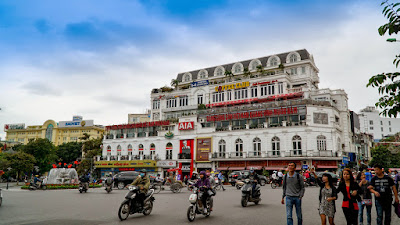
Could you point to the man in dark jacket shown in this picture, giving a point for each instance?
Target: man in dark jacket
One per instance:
(143, 182)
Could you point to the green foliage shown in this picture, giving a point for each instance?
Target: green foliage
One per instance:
(174, 83)
(19, 162)
(260, 69)
(381, 155)
(43, 151)
(388, 83)
(246, 72)
(69, 152)
(90, 148)
(201, 107)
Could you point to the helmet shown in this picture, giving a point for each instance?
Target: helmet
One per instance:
(110, 174)
(36, 175)
(251, 171)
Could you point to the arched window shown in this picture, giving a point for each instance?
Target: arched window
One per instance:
(254, 63)
(168, 149)
(256, 146)
(202, 74)
(152, 150)
(49, 132)
(276, 146)
(274, 62)
(129, 149)
(219, 71)
(221, 149)
(141, 150)
(119, 150)
(293, 58)
(321, 143)
(108, 150)
(296, 140)
(237, 68)
(239, 147)
(187, 77)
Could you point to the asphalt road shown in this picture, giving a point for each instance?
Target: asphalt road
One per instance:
(98, 207)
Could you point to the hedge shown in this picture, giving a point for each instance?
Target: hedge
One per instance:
(63, 186)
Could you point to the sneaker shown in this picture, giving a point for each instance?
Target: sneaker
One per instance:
(205, 210)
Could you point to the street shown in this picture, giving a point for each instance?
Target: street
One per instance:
(98, 207)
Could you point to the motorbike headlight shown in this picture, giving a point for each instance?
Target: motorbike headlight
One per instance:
(131, 188)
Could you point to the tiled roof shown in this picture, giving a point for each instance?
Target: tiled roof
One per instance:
(304, 54)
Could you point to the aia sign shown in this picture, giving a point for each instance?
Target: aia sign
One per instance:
(186, 126)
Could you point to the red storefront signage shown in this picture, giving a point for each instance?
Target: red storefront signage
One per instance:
(266, 82)
(186, 126)
(186, 147)
(138, 125)
(250, 115)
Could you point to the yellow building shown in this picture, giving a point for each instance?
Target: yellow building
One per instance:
(58, 133)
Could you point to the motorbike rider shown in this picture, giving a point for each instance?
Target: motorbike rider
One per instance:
(255, 179)
(204, 184)
(85, 180)
(159, 179)
(195, 176)
(143, 182)
(36, 180)
(173, 180)
(109, 180)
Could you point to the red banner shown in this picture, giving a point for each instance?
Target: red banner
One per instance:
(138, 125)
(250, 115)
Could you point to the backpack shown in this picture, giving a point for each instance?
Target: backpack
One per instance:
(285, 178)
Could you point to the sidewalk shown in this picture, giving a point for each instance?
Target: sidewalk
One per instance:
(11, 185)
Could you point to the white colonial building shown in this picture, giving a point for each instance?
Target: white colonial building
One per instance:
(372, 123)
(260, 113)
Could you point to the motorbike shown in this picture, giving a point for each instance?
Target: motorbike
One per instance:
(195, 201)
(108, 188)
(248, 195)
(39, 185)
(239, 184)
(83, 187)
(308, 182)
(190, 184)
(130, 205)
(276, 183)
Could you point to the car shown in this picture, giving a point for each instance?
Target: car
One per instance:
(334, 176)
(245, 173)
(122, 179)
(233, 176)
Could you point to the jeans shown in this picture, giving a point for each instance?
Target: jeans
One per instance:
(361, 212)
(380, 207)
(296, 201)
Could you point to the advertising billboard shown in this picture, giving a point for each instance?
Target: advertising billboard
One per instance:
(16, 126)
(83, 123)
(203, 149)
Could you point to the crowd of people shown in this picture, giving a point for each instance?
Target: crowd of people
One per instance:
(357, 190)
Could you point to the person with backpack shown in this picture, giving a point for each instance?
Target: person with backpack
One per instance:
(327, 197)
(293, 190)
(382, 186)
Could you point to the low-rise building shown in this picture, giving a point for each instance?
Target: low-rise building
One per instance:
(379, 127)
(58, 133)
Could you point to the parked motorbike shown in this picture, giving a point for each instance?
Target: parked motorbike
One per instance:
(195, 201)
(38, 185)
(83, 187)
(130, 205)
(247, 193)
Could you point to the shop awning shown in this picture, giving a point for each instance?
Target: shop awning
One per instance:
(326, 167)
(254, 167)
(222, 168)
(235, 168)
(274, 168)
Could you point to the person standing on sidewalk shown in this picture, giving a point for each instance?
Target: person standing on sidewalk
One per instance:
(349, 189)
(366, 199)
(382, 186)
(221, 179)
(293, 190)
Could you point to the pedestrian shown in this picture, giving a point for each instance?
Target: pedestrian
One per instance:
(280, 176)
(366, 199)
(382, 186)
(349, 189)
(397, 180)
(221, 179)
(327, 197)
(293, 190)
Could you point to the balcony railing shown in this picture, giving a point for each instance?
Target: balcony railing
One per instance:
(141, 134)
(130, 135)
(256, 154)
(236, 154)
(274, 154)
(219, 155)
(296, 153)
(120, 136)
(184, 156)
(153, 133)
(109, 136)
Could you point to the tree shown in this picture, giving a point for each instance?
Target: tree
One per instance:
(20, 162)
(389, 83)
(228, 74)
(90, 148)
(174, 83)
(380, 155)
(69, 152)
(44, 152)
(246, 72)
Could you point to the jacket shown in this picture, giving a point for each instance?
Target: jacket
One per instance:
(203, 182)
(142, 182)
(353, 187)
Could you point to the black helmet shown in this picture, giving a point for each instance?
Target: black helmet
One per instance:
(143, 170)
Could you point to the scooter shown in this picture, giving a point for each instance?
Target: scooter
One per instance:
(309, 182)
(108, 188)
(83, 187)
(195, 202)
(39, 185)
(130, 205)
(247, 193)
(239, 184)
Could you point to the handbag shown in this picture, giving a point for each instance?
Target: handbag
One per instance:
(367, 202)
(397, 209)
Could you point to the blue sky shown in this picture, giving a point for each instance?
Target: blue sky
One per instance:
(100, 59)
